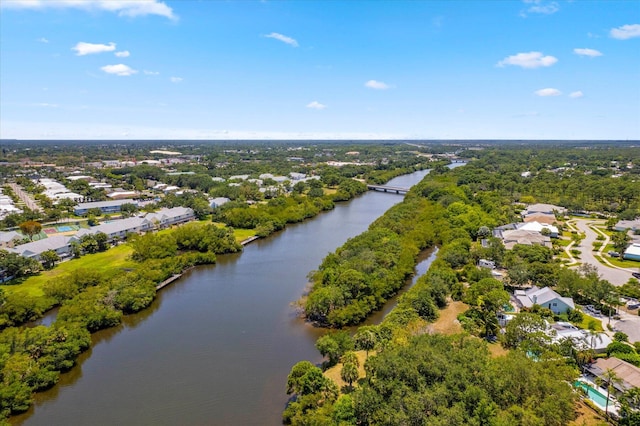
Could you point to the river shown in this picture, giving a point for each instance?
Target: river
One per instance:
(216, 346)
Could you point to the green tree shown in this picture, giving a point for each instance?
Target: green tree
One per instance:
(611, 379)
(49, 258)
(620, 241)
(349, 373)
(365, 340)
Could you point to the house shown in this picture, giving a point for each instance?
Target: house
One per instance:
(542, 218)
(167, 217)
(623, 225)
(484, 263)
(297, 176)
(60, 244)
(118, 229)
(9, 239)
(628, 374)
(520, 236)
(551, 230)
(544, 208)
(632, 252)
(545, 297)
(582, 339)
(112, 206)
(217, 202)
(119, 195)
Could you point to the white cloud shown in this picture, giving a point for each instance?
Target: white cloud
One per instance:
(130, 8)
(119, 69)
(176, 79)
(43, 40)
(46, 105)
(316, 105)
(548, 92)
(377, 85)
(123, 54)
(546, 9)
(83, 48)
(528, 60)
(587, 52)
(576, 95)
(283, 38)
(147, 72)
(626, 31)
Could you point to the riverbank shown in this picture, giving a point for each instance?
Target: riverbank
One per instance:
(236, 313)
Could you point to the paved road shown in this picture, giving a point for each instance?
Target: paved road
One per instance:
(26, 198)
(616, 276)
(629, 324)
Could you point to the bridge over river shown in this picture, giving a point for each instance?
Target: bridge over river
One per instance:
(388, 188)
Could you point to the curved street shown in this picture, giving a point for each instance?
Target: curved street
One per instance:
(615, 275)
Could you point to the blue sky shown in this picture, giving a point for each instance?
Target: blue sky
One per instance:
(186, 69)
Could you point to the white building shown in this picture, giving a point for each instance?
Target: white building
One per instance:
(545, 297)
(539, 227)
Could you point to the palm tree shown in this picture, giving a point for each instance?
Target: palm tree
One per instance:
(612, 379)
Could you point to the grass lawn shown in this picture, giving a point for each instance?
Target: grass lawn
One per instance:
(334, 372)
(113, 259)
(447, 322)
(243, 234)
(587, 320)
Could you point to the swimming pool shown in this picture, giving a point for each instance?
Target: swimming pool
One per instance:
(593, 394)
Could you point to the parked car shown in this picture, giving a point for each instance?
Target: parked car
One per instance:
(636, 275)
(613, 253)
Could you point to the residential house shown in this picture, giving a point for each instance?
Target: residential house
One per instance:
(545, 297)
(582, 339)
(166, 217)
(217, 202)
(9, 239)
(118, 229)
(520, 236)
(544, 208)
(484, 263)
(60, 244)
(628, 374)
(541, 218)
(623, 225)
(111, 206)
(632, 252)
(551, 230)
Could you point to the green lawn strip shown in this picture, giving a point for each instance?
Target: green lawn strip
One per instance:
(243, 234)
(114, 260)
(587, 320)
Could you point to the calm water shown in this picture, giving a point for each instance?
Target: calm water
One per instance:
(216, 346)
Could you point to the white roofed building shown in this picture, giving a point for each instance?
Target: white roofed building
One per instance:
(545, 297)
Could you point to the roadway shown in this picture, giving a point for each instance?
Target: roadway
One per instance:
(614, 274)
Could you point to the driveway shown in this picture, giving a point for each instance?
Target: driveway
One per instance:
(615, 275)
